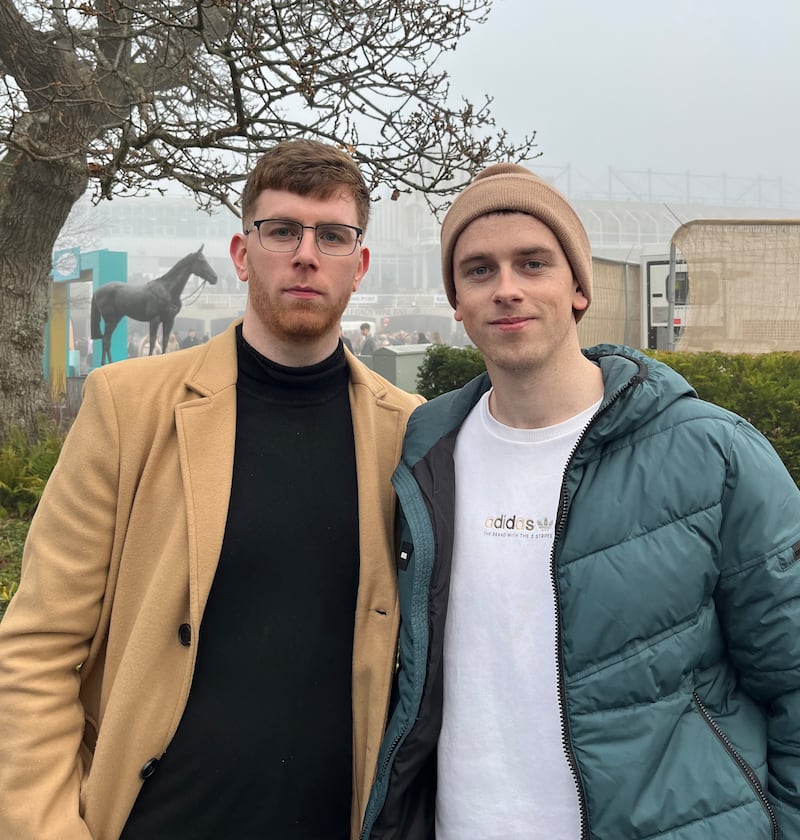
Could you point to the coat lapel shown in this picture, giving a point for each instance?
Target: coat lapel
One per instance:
(206, 427)
(378, 425)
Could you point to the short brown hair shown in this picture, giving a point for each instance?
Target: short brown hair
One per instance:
(307, 167)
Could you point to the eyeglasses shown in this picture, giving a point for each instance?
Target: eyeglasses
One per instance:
(284, 236)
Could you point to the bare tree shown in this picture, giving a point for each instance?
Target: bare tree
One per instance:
(123, 95)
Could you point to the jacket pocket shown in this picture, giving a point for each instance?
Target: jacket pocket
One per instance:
(743, 766)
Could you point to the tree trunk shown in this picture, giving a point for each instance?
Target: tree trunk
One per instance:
(35, 199)
(133, 93)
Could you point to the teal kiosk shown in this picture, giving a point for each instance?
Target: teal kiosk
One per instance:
(70, 266)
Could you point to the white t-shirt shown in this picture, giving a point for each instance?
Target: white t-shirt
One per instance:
(502, 772)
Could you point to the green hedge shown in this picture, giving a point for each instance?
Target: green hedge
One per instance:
(445, 368)
(25, 466)
(12, 539)
(764, 389)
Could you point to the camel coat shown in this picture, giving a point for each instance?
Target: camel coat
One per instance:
(98, 646)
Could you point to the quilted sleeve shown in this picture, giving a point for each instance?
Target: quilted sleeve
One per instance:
(759, 601)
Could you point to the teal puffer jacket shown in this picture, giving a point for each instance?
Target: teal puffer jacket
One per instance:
(676, 572)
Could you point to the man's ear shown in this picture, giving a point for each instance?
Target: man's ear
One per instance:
(579, 301)
(361, 268)
(238, 252)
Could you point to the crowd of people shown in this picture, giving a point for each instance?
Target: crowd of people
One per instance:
(141, 346)
(362, 342)
(365, 343)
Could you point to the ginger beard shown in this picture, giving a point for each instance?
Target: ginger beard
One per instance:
(288, 316)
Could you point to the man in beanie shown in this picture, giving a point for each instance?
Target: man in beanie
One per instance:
(599, 575)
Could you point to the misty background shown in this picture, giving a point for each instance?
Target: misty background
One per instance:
(708, 86)
(646, 115)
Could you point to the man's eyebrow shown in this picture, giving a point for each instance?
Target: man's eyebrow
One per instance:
(525, 251)
(477, 255)
(535, 251)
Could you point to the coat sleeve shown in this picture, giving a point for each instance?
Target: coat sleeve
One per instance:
(759, 598)
(49, 630)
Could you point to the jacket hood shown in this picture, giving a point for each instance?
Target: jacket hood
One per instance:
(644, 385)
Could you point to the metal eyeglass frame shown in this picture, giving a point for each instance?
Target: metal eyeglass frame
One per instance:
(303, 228)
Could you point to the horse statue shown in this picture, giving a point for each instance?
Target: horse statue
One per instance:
(158, 301)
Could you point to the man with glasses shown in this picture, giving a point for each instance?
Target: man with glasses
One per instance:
(203, 641)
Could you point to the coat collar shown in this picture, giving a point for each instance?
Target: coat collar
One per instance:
(216, 369)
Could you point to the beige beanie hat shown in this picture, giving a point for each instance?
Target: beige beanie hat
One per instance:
(508, 186)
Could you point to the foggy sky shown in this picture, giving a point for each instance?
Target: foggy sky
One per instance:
(708, 86)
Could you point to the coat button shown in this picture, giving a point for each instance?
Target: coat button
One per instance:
(185, 634)
(149, 768)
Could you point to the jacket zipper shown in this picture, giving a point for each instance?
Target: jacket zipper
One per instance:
(740, 763)
(390, 752)
(371, 814)
(566, 740)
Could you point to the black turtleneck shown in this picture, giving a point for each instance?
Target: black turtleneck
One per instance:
(264, 748)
